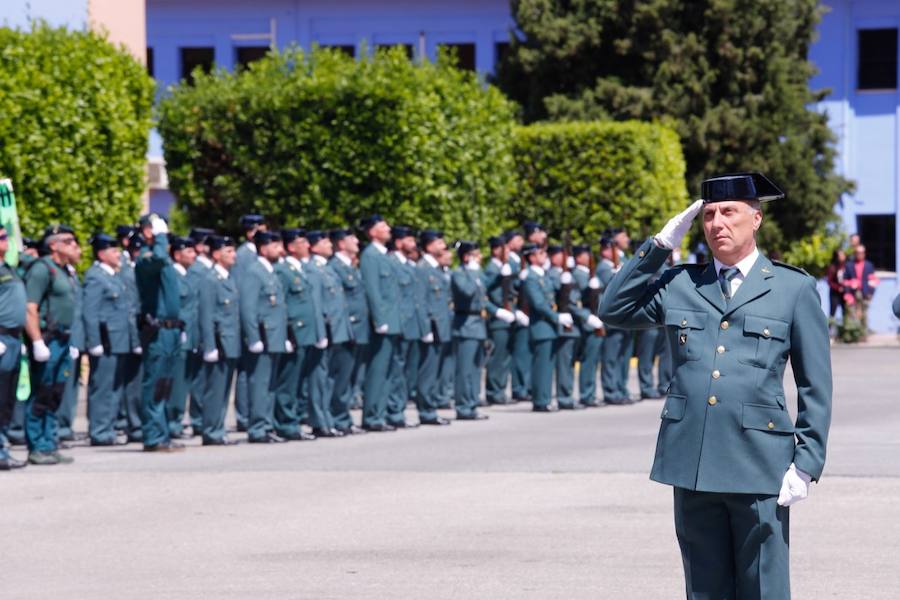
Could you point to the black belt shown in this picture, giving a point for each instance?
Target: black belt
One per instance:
(171, 323)
(11, 331)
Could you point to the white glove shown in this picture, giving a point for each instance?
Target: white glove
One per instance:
(522, 319)
(323, 343)
(506, 270)
(211, 356)
(41, 351)
(671, 235)
(794, 486)
(256, 347)
(183, 337)
(288, 346)
(594, 322)
(382, 329)
(473, 265)
(565, 278)
(158, 226)
(2, 348)
(570, 262)
(96, 350)
(428, 338)
(505, 315)
(74, 353)
(594, 283)
(565, 319)
(523, 274)
(137, 350)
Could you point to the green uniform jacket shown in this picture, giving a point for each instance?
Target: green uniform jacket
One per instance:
(541, 295)
(189, 297)
(54, 290)
(469, 304)
(493, 285)
(12, 298)
(413, 319)
(435, 293)
(262, 308)
(382, 290)
(579, 314)
(196, 276)
(303, 295)
(355, 293)
(106, 311)
(334, 303)
(219, 315)
(126, 273)
(725, 427)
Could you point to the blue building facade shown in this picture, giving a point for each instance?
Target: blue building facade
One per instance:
(856, 54)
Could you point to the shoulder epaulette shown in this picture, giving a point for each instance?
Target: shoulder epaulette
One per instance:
(791, 267)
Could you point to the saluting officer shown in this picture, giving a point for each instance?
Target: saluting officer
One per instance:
(109, 333)
(726, 442)
(337, 325)
(521, 355)
(129, 416)
(383, 295)
(218, 316)
(434, 292)
(184, 255)
(302, 367)
(413, 326)
(591, 327)
(498, 283)
(193, 372)
(568, 299)
(161, 329)
(246, 256)
(545, 323)
(12, 321)
(346, 360)
(50, 325)
(469, 331)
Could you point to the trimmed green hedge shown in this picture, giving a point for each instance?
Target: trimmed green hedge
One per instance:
(75, 113)
(320, 139)
(583, 177)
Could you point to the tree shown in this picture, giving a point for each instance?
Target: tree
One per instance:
(75, 115)
(730, 75)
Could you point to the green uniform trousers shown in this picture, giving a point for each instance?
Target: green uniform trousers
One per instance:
(65, 415)
(241, 391)
(129, 419)
(565, 370)
(428, 398)
(733, 545)
(521, 362)
(217, 377)
(161, 357)
(447, 375)
(260, 393)
(648, 346)
(48, 382)
(469, 361)
(178, 399)
(314, 375)
(376, 388)
(342, 365)
(542, 372)
(591, 347)
(498, 366)
(106, 386)
(287, 416)
(399, 387)
(9, 380)
(616, 351)
(193, 372)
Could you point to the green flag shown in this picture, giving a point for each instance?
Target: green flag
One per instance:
(10, 220)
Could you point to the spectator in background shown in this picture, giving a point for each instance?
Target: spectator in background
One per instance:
(852, 243)
(835, 277)
(860, 282)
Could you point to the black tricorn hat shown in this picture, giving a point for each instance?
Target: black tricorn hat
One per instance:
(529, 249)
(101, 241)
(180, 243)
(739, 186)
(217, 242)
(463, 247)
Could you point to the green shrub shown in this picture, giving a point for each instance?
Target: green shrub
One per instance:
(813, 253)
(580, 178)
(320, 139)
(75, 113)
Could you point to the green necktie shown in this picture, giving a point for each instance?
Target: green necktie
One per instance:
(725, 277)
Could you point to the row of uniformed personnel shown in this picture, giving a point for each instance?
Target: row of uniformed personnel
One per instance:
(303, 325)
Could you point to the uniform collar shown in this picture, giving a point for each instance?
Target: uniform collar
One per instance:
(497, 261)
(583, 268)
(432, 261)
(294, 262)
(266, 264)
(204, 261)
(400, 257)
(344, 258)
(380, 247)
(222, 271)
(180, 268)
(515, 256)
(539, 271)
(320, 261)
(251, 246)
(744, 265)
(106, 268)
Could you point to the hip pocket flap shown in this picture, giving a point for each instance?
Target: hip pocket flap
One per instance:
(766, 418)
(673, 410)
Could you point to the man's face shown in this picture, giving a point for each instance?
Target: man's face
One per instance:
(474, 256)
(854, 240)
(538, 236)
(405, 244)
(66, 247)
(185, 257)
(859, 253)
(323, 248)
(557, 259)
(202, 249)
(538, 258)
(436, 247)
(583, 259)
(445, 258)
(110, 257)
(380, 232)
(606, 252)
(515, 243)
(349, 245)
(225, 256)
(729, 228)
(497, 252)
(623, 242)
(270, 251)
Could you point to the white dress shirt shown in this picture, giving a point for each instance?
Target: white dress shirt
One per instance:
(744, 265)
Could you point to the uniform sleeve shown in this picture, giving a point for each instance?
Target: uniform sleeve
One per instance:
(36, 281)
(248, 287)
(580, 312)
(76, 335)
(811, 363)
(537, 302)
(372, 283)
(490, 279)
(630, 301)
(464, 285)
(92, 296)
(205, 314)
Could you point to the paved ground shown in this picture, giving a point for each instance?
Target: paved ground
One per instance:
(522, 506)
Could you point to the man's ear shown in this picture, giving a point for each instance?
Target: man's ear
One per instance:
(757, 219)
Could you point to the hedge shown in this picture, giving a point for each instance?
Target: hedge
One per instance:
(320, 139)
(579, 178)
(75, 114)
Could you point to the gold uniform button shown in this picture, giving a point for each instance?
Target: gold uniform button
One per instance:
(724, 325)
(641, 254)
(771, 425)
(712, 400)
(720, 350)
(766, 332)
(716, 374)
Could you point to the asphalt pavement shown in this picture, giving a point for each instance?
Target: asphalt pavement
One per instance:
(521, 506)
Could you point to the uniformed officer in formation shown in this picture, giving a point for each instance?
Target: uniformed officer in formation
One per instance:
(591, 327)
(246, 255)
(129, 418)
(193, 370)
(470, 307)
(184, 255)
(12, 322)
(498, 283)
(568, 299)
(434, 290)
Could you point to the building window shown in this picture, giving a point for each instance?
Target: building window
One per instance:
(501, 52)
(877, 69)
(150, 61)
(191, 58)
(245, 55)
(348, 49)
(406, 48)
(878, 233)
(465, 55)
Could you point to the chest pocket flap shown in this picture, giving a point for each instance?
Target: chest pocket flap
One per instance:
(686, 318)
(766, 327)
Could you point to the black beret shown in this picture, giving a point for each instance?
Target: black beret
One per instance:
(123, 231)
(276, 236)
(135, 241)
(532, 226)
(463, 247)
(250, 221)
(606, 241)
(554, 249)
(495, 241)
(101, 241)
(289, 235)
(217, 242)
(367, 223)
(261, 238)
(529, 249)
(426, 236)
(180, 243)
(315, 236)
(199, 234)
(337, 235)
(739, 186)
(28, 242)
(578, 249)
